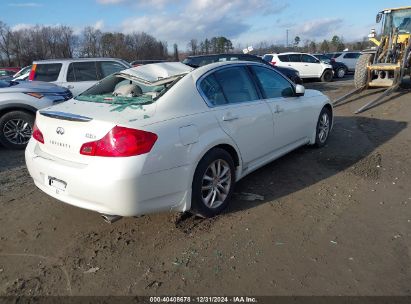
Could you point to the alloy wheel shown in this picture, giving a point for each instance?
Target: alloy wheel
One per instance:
(17, 131)
(341, 73)
(323, 127)
(216, 183)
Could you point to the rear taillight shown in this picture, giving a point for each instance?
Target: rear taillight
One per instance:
(273, 62)
(37, 135)
(32, 74)
(121, 142)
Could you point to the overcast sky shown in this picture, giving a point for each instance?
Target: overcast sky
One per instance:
(242, 21)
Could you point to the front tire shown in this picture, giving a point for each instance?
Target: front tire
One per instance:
(327, 76)
(361, 70)
(213, 183)
(323, 127)
(15, 129)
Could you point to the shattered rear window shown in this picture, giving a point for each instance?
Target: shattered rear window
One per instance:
(123, 92)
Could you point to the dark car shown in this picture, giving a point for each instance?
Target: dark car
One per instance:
(7, 73)
(340, 69)
(200, 60)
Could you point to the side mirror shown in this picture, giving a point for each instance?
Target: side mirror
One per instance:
(378, 18)
(299, 90)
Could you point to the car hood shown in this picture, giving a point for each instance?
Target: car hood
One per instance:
(157, 73)
(33, 86)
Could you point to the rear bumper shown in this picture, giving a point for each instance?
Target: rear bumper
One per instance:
(111, 186)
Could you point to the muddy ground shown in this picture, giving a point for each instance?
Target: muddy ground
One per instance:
(334, 221)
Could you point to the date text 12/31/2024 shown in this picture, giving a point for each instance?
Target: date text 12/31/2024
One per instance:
(200, 299)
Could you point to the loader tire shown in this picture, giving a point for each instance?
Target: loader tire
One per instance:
(361, 71)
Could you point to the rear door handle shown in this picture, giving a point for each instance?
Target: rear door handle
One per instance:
(229, 117)
(70, 87)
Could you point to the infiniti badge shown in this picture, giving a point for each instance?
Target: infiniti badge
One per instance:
(60, 131)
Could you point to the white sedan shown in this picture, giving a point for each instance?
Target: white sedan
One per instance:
(165, 137)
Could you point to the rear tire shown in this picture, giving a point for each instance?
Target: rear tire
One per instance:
(361, 70)
(327, 76)
(213, 183)
(340, 73)
(15, 129)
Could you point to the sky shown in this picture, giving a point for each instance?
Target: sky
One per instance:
(245, 22)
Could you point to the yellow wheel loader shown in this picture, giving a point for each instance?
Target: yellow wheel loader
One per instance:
(386, 64)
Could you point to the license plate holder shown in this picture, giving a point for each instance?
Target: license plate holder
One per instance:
(58, 184)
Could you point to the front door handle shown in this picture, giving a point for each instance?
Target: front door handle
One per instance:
(229, 117)
(70, 87)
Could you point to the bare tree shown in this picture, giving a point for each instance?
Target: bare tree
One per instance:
(193, 46)
(5, 42)
(91, 42)
(175, 55)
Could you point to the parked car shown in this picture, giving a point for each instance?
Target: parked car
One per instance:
(306, 64)
(76, 74)
(7, 73)
(167, 137)
(137, 63)
(19, 102)
(348, 58)
(23, 74)
(201, 60)
(339, 68)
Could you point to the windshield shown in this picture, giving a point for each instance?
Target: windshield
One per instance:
(22, 71)
(323, 58)
(398, 19)
(124, 91)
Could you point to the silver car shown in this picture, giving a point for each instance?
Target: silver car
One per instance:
(77, 74)
(19, 101)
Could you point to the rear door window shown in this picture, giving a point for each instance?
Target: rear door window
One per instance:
(236, 85)
(109, 67)
(352, 55)
(294, 57)
(82, 71)
(284, 58)
(47, 72)
(308, 59)
(212, 90)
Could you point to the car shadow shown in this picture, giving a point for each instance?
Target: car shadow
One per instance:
(353, 140)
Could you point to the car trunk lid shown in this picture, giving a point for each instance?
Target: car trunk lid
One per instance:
(66, 128)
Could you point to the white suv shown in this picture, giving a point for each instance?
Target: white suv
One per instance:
(78, 74)
(307, 65)
(348, 58)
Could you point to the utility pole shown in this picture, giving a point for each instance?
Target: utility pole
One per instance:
(287, 38)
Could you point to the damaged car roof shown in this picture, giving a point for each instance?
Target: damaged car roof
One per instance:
(157, 73)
